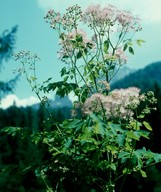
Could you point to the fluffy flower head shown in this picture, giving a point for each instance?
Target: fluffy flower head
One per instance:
(120, 103)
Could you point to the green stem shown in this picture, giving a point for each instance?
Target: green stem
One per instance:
(35, 89)
(49, 189)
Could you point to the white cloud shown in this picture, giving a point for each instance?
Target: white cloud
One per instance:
(11, 99)
(72, 97)
(148, 10)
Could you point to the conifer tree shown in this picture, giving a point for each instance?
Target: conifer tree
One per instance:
(7, 45)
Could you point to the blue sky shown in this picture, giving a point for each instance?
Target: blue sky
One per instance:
(35, 35)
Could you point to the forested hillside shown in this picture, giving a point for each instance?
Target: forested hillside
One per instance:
(19, 157)
(145, 78)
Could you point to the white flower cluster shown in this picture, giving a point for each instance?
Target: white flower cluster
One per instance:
(120, 103)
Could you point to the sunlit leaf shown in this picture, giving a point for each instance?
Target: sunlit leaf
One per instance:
(139, 42)
(113, 166)
(133, 135)
(147, 125)
(112, 147)
(143, 173)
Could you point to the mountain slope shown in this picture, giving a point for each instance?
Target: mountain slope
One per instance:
(57, 103)
(144, 78)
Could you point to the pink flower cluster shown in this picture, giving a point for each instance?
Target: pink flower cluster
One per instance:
(125, 18)
(103, 21)
(119, 56)
(67, 21)
(95, 15)
(54, 18)
(119, 104)
(69, 44)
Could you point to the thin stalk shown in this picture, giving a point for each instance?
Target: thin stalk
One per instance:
(49, 189)
(35, 89)
(94, 78)
(128, 162)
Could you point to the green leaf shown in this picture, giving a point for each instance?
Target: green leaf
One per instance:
(133, 135)
(140, 163)
(129, 42)
(141, 116)
(147, 125)
(85, 138)
(131, 50)
(11, 130)
(89, 45)
(136, 125)
(144, 153)
(125, 47)
(99, 127)
(48, 80)
(139, 41)
(126, 171)
(68, 143)
(124, 155)
(121, 140)
(63, 71)
(112, 148)
(113, 166)
(157, 157)
(112, 67)
(65, 78)
(149, 161)
(73, 123)
(65, 56)
(79, 55)
(115, 128)
(79, 38)
(61, 36)
(104, 164)
(63, 88)
(143, 173)
(143, 133)
(106, 46)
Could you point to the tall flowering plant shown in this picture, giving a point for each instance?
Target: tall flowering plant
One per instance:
(99, 56)
(97, 146)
